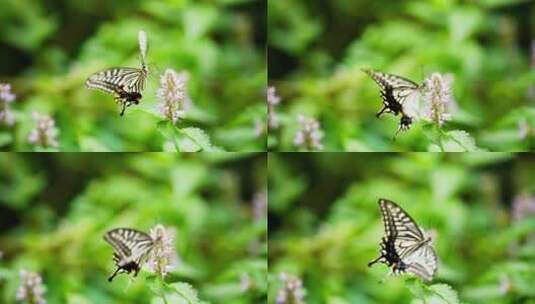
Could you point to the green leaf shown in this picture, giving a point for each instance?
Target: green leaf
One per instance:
(431, 132)
(445, 292)
(459, 141)
(436, 293)
(195, 139)
(186, 291)
(166, 130)
(5, 139)
(415, 287)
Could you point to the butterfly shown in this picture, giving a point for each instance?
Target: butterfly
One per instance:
(405, 247)
(126, 84)
(395, 92)
(132, 248)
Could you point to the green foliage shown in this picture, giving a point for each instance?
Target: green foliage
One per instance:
(219, 45)
(436, 293)
(64, 203)
(327, 226)
(318, 48)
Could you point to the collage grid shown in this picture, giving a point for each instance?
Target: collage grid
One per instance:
(267, 151)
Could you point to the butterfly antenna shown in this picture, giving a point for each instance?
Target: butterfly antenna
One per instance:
(114, 274)
(123, 109)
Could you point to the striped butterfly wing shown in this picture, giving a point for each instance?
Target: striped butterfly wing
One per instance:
(404, 245)
(129, 79)
(422, 262)
(131, 249)
(408, 236)
(396, 91)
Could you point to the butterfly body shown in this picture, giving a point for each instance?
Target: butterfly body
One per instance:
(405, 247)
(394, 90)
(126, 99)
(131, 249)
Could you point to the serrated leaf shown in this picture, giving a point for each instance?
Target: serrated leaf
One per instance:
(459, 141)
(198, 136)
(186, 291)
(445, 292)
(186, 144)
(195, 139)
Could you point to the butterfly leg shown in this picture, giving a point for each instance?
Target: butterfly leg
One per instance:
(397, 132)
(124, 108)
(381, 112)
(379, 259)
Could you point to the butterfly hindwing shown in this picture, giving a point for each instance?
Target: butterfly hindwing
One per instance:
(405, 247)
(422, 262)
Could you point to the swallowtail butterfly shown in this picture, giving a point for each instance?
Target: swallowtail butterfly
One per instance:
(131, 249)
(395, 92)
(405, 247)
(126, 84)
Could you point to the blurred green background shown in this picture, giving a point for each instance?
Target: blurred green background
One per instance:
(55, 208)
(317, 48)
(325, 224)
(49, 48)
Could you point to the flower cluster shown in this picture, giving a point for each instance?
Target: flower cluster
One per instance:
(310, 135)
(292, 291)
(31, 289)
(6, 97)
(162, 257)
(45, 132)
(172, 92)
(272, 101)
(523, 207)
(437, 95)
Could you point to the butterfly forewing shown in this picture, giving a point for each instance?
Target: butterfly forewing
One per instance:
(130, 79)
(385, 80)
(408, 234)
